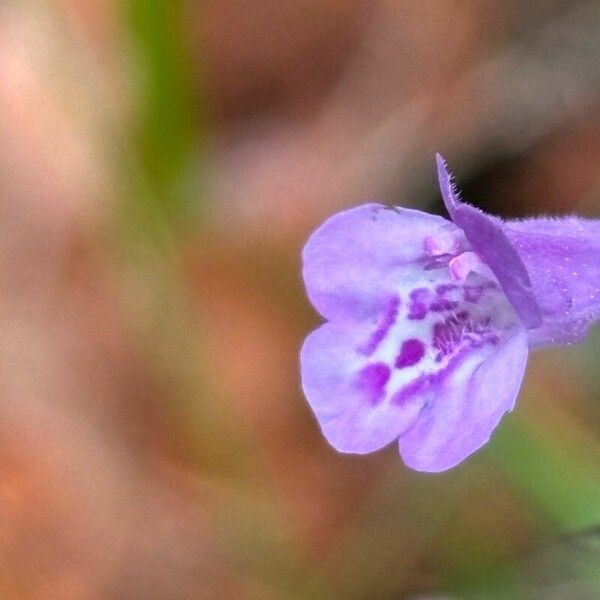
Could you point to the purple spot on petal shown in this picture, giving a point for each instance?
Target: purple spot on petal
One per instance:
(425, 381)
(371, 381)
(417, 312)
(420, 294)
(389, 318)
(411, 352)
(443, 304)
(444, 288)
(417, 309)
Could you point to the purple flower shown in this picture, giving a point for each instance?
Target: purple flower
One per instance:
(429, 321)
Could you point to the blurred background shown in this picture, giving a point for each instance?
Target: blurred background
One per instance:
(161, 165)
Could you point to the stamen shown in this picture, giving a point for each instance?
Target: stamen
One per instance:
(468, 262)
(443, 243)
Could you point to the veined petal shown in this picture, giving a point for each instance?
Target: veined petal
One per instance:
(355, 260)
(562, 257)
(485, 233)
(464, 407)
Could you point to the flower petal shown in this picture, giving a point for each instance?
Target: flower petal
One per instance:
(562, 257)
(486, 235)
(355, 259)
(463, 407)
(368, 381)
(349, 392)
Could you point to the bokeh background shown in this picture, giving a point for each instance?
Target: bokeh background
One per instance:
(161, 165)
